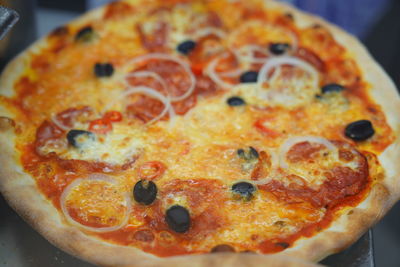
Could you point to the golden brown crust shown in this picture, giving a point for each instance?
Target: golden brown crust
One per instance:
(23, 195)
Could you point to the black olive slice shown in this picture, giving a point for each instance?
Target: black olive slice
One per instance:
(249, 77)
(235, 101)
(279, 48)
(243, 190)
(333, 87)
(77, 137)
(222, 248)
(86, 34)
(186, 47)
(103, 69)
(250, 154)
(145, 192)
(178, 219)
(360, 130)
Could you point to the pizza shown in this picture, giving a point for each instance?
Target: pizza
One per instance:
(150, 132)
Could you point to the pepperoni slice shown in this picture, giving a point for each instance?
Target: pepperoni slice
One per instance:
(145, 108)
(311, 58)
(156, 40)
(47, 131)
(341, 181)
(177, 82)
(70, 116)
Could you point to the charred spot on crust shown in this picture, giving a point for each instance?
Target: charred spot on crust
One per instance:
(282, 244)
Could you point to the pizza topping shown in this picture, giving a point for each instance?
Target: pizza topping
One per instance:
(153, 35)
(100, 126)
(287, 81)
(292, 61)
(243, 190)
(212, 70)
(289, 143)
(93, 202)
(77, 138)
(360, 130)
(279, 48)
(249, 77)
(249, 157)
(178, 219)
(209, 31)
(235, 101)
(333, 87)
(145, 192)
(339, 181)
(186, 47)
(251, 54)
(147, 116)
(103, 69)
(68, 118)
(166, 66)
(86, 34)
(222, 248)
(144, 236)
(151, 170)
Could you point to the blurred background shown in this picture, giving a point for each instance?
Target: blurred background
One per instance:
(375, 22)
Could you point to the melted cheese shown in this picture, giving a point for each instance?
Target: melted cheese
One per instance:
(120, 146)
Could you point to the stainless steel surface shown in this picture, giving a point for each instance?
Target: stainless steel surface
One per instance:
(23, 33)
(8, 18)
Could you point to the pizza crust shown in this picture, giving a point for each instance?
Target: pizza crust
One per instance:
(22, 194)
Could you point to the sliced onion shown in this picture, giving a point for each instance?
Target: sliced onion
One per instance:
(207, 31)
(289, 143)
(59, 124)
(175, 59)
(94, 177)
(154, 75)
(150, 92)
(211, 72)
(286, 60)
(155, 94)
(274, 166)
(245, 53)
(231, 73)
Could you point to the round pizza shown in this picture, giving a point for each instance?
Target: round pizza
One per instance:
(151, 132)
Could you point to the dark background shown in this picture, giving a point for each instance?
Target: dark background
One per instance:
(382, 39)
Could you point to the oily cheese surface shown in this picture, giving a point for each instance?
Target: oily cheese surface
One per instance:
(163, 115)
